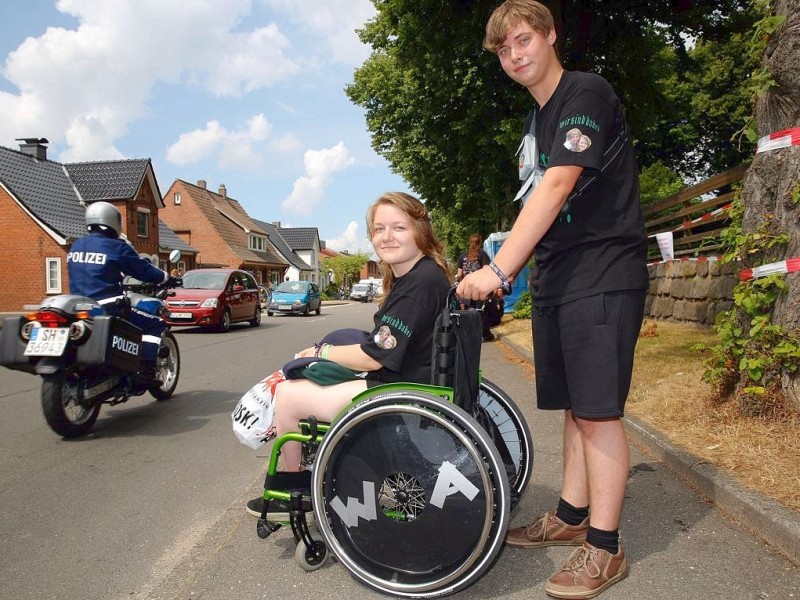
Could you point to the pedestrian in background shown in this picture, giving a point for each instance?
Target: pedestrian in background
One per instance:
(473, 259)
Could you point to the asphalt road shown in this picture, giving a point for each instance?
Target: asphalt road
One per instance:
(150, 505)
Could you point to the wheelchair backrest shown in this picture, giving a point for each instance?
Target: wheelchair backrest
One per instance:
(456, 354)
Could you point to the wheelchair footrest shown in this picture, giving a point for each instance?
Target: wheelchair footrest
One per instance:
(264, 528)
(289, 482)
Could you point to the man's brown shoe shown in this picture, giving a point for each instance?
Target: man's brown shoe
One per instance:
(548, 530)
(588, 572)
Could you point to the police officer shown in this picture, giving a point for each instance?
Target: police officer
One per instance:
(97, 264)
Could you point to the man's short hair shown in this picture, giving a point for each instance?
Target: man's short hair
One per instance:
(509, 14)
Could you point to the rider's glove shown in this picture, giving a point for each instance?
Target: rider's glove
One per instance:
(173, 282)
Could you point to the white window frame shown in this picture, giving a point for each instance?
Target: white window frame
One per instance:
(52, 270)
(176, 198)
(143, 216)
(257, 242)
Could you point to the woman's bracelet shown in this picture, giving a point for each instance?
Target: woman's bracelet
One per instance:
(504, 283)
(324, 351)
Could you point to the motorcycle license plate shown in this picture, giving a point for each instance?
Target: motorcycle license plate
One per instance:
(47, 341)
(173, 315)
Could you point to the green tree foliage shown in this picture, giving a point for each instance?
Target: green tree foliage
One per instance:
(657, 181)
(449, 121)
(711, 103)
(345, 267)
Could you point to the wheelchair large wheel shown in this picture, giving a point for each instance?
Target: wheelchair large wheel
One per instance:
(513, 430)
(411, 495)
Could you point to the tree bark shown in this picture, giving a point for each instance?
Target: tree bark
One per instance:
(774, 175)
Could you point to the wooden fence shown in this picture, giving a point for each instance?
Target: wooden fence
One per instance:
(695, 216)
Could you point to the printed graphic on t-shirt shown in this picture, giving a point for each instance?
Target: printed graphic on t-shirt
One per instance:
(577, 141)
(384, 338)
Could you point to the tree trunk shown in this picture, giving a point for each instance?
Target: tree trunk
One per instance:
(774, 175)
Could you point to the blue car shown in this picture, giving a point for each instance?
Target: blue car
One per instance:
(295, 297)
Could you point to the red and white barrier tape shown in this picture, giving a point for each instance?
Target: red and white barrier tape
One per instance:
(790, 265)
(779, 139)
(705, 217)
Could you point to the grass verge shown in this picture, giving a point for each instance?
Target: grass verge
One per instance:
(668, 394)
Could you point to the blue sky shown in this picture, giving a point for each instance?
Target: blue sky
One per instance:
(245, 93)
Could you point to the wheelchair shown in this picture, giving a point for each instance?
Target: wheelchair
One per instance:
(412, 485)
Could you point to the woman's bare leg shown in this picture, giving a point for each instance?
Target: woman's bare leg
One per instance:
(297, 399)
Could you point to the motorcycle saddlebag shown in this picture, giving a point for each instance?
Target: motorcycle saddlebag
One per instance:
(114, 343)
(12, 346)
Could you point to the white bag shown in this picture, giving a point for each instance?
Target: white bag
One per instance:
(254, 415)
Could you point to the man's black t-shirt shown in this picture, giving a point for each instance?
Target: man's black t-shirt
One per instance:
(598, 243)
(403, 335)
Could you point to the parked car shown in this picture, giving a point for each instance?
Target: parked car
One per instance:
(295, 297)
(215, 298)
(362, 292)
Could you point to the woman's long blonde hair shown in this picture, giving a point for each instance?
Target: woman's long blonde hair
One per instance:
(424, 236)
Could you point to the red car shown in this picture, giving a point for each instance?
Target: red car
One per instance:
(215, 298)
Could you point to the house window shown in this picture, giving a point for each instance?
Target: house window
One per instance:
(177, 198)
(257, 242)
(53, 274)
(142, 222)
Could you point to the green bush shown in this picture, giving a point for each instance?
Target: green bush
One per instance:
(522, 308)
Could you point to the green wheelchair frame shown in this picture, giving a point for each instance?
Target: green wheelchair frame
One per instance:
(488, 440)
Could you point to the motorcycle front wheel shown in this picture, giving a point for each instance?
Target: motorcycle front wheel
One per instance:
(168, 368)
(63, 411)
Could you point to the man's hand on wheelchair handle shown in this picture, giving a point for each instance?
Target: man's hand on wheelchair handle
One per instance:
(478, 284)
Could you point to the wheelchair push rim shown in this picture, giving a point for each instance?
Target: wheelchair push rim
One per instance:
(411, 495)
(513, 429)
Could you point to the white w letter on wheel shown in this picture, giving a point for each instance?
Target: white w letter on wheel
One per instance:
(450, 481)
(354, 509)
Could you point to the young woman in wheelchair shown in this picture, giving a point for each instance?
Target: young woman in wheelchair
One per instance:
(416, 280)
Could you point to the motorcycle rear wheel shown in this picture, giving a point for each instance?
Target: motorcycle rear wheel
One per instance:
(168, 368)
(62, 411)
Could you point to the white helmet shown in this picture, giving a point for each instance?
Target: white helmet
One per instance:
(104, 216)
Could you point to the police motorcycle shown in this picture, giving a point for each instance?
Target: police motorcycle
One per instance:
(86, 357)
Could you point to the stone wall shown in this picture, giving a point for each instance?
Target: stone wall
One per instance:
(690, 290)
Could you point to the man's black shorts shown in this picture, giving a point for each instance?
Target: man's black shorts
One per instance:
(583, 353)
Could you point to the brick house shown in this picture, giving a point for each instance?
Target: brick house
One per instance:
(221, 230)
(42, 206)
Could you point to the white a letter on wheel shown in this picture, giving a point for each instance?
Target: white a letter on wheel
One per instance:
(354, 509)
(450, 481)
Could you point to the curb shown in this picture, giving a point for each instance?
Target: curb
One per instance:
(763, 517)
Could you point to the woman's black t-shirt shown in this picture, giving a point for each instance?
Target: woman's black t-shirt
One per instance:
(598, 243)
(402, 338)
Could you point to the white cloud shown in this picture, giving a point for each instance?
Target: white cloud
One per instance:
(335, 21)
(351, 240)
(84, 86)
(231, 148)
(320, 167)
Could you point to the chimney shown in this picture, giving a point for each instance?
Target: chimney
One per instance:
(201, 183)
(223, 191)
(277, 224)
(34, 147)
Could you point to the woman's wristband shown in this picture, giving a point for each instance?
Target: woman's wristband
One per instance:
(324, 351)
(504, 283)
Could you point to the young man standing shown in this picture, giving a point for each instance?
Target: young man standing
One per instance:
(584, 225)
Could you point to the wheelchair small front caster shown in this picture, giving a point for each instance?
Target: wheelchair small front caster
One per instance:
(313, 558)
